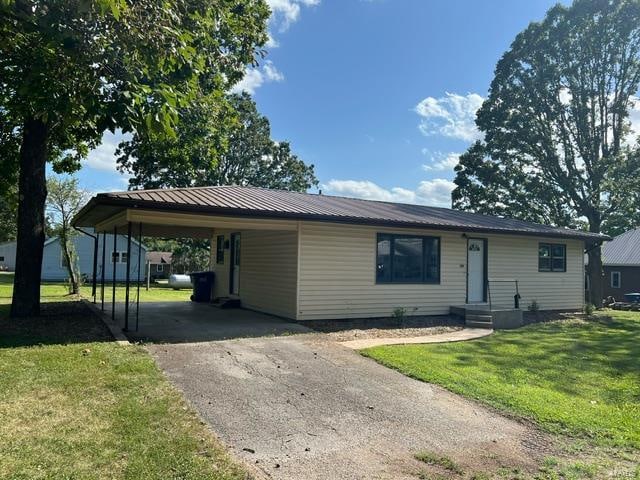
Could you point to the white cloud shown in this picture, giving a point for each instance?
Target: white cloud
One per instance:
(440, 161)
(436, 192)
(451, 116)
(104, 156)
(286, 12)
(254, 78)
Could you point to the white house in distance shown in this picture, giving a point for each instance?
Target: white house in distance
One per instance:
(318, 257)
(53, 262)
(8, 256)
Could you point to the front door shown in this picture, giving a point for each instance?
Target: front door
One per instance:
(235, 264)
(476, 274)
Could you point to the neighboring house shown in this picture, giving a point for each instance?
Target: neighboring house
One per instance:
(159, 264)
(54, 266)
(8, 256)
(316, 257)
(621, 262)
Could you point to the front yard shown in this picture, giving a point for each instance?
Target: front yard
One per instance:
(59, 291)
(579, 378)
(73, 404)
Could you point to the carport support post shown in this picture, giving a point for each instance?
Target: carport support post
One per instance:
(113, 262)
(94, 279)
(104, 249)
(139, 267)
(128, 279)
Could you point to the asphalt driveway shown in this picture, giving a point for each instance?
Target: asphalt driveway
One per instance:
(304, 407)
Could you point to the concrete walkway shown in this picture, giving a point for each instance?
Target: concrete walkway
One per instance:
(457, 336)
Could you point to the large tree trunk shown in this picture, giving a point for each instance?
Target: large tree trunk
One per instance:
(596, 285)
(594, 269)
(32, 190)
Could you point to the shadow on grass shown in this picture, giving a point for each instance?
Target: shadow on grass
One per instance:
(60, 323)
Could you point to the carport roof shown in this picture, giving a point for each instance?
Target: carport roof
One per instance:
(265, 203)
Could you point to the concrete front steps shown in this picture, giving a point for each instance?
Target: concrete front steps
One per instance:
(482, 316)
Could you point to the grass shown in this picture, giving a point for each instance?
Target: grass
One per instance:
(75, 405)
(580, 378)
(446, 463)
(59, 291)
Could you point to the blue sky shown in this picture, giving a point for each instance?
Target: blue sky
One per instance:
(379, 95)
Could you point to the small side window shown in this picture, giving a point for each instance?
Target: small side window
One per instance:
(552, 257)
(220, 249)
(616, 279)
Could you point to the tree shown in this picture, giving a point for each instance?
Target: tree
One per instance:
(557, 146)
(243, 154)
(64, 200)
(69, 70)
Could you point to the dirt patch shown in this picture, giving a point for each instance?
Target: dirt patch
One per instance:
(363, 334)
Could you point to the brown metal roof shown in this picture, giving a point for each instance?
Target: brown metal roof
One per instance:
(265, 203)
(159, 257)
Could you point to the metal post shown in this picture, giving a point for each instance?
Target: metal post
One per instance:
(94, 280)
(127, 279)
(104, 249)
(139, 267)
(113, 262)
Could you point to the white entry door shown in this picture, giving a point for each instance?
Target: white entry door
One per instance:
(475, 270)
(235, 264)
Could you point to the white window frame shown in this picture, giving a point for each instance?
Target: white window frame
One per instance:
(119, 259)
(159, 268)
(612, 276)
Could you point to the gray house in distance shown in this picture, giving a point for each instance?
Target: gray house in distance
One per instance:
(53, 266)
(621, 263)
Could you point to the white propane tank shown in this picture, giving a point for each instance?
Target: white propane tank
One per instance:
(180, 281)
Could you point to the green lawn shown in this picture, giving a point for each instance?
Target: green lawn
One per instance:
(574, 377)
(75, 405)
(57, 291)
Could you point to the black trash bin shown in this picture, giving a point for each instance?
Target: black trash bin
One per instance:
(202, 286)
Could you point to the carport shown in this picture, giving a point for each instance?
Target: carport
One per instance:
(180, 214)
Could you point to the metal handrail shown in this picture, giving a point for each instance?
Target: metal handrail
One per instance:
(516, 297)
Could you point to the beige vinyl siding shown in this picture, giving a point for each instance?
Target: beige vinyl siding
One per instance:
(268, 270)
(517, 257)
(337, 273)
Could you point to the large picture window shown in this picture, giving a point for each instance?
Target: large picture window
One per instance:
(552, 257)
(407, 259)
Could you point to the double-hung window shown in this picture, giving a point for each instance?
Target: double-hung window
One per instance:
(615, 280)
(552, 257)
(407, 259)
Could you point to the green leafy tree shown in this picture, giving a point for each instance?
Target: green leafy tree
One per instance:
(242, 154)
(64, 199)
(557, 146)
(69, 70)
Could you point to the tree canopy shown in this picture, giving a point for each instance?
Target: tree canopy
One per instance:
(557, 144)
(72, 69)
(202, 154)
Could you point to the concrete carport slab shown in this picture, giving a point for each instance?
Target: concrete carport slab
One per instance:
(184, 322)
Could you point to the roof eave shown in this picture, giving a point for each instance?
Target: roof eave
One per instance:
(106, 200)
